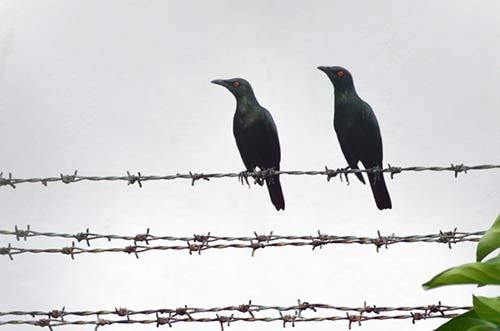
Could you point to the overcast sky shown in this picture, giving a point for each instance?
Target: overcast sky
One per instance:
(110, 86)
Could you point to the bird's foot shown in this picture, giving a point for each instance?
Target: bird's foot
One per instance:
(330, 173)
(345, 174)
(243, 178)
(258, 180)
(261, 176)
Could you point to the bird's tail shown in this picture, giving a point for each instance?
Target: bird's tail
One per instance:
(275, 192)
(379, 189)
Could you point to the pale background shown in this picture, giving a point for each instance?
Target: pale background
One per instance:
(110, 86)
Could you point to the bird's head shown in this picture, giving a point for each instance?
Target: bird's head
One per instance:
(237, 86)
(339, 76)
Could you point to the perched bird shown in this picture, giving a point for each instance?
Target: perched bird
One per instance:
(256, 135)
(358, 132)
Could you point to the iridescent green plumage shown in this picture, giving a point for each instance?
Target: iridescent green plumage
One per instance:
(256, 135)
(358, 132)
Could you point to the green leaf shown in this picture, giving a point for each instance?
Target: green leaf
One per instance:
(494, 260)
(489, 241)
(469, 321)
(483, 328)
(487, 308)
(481, 273)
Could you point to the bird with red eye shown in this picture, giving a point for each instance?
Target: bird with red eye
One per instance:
(358, 133)
(256, 137)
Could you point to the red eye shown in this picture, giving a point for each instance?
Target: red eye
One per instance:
(236, 84)
(340, 73)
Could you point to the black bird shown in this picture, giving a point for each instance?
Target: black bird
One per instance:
(256, 135)
(358, 132)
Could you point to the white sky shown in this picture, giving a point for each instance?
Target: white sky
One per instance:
(110, 86)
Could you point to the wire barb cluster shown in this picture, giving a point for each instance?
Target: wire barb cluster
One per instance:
(231, 314)
(131, 178)
(201, 242)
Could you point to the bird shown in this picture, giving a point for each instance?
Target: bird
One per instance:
(358, 132)
(256, 136)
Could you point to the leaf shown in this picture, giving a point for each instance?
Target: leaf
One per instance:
(487, 308)
(469, 321)
(489, 241)
(481, 273)
(493, 260)
(483, 328)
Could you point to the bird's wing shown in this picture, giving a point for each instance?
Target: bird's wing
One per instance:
(371, 140)
(270, 143)
(258, 142)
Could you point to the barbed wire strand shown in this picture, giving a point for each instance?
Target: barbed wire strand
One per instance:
(199, 243)
(187, 314)
(87, 236)
(131, 178)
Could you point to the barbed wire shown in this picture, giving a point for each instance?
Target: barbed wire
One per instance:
(131, 178)
(198, 243)
(168, 316)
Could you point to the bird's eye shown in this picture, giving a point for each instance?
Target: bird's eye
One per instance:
(236, 84)
(340, 73)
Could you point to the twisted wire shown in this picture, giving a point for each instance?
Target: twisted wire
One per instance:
(201, 242)
(169, 316)
(243, 176)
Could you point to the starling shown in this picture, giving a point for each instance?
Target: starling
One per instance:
(256, 135)
(358, 132)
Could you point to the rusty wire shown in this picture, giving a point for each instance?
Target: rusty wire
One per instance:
(170, 316)
(201, 242)
(131, 178)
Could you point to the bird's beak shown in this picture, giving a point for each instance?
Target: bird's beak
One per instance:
(324, 69)
(221, 82)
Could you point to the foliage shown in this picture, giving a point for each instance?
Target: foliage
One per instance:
(485, 315)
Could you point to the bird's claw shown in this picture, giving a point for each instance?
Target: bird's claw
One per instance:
(345, 174)
(330, 173)
(243, 178)
(258, 180)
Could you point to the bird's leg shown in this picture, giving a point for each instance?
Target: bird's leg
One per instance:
(258, 179)
(345, 174)
(243, 178)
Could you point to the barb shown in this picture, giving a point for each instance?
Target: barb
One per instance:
(131, 179)
(199, 243)
(232, 314)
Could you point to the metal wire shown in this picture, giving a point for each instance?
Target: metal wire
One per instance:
(56, 318)
(199, 243)
(169, 316)
(243, 176)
